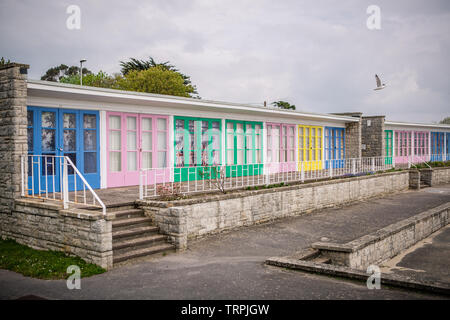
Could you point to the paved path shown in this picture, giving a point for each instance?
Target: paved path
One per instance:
(231, 265)
(428, 260)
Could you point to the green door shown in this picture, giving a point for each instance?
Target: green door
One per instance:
(243, 148)
(388, 146)
(198, 147)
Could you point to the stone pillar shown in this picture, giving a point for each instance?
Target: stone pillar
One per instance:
(372, 136)
(13, 131)
(414, 179)
(353, 140)
(352, 135)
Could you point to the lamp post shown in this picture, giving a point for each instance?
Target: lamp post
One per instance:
(81, 71)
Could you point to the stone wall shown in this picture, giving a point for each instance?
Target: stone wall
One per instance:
(13, 131)
(353, 140)
(372, 136)
(386, 243)
(439, 175)
(414, 179)
(188, 219)
(47, 226)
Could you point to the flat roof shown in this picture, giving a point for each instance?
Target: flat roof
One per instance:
(71, 91)
(416, 124)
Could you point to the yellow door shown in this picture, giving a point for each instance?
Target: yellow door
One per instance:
(310, 147)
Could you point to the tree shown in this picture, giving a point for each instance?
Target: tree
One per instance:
(3, 61)
(283, 105)
(140, 65)
(100, 80)
(55, 74)
(446, 120)
(158, 80)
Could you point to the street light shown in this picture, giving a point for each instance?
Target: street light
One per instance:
(81, 71)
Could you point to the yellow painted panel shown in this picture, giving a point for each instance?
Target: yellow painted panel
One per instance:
(310, 146)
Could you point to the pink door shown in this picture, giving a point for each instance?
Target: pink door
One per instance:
(135, 142)
(421, 146)
(402, 146)
(280, 147)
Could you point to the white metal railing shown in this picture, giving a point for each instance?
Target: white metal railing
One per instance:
(186, 180)
(51, 177)
(413, 160)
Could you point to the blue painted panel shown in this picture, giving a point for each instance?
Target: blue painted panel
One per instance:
(63, 138)
(437, 146)
(334, 147)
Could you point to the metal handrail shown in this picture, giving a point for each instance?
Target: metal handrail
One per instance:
(63, 162)
(186, 180)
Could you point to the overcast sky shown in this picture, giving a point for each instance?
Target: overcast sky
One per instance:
(318, 55)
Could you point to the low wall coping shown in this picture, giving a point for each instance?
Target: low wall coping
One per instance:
(381, 234)
(246, 193)
(73, 213)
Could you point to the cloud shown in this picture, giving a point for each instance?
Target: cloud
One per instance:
(317, 55)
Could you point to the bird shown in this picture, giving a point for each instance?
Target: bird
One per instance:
(379, 85)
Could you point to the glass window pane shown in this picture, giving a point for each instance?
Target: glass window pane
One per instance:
(230, 157)
(114, 122)
(216, 157)
(115, 140)
(230, 127)
(115, 161)
(30, 118)
(69, 140)
(240, 141)
(162, 140)
(161, 124)
(89, 121)
(179, 124)
(131, 123)
(230, 141)
(162, 159)
(30, 139)
(147, 124)
(249, 156)
(131, 161)
(48, 119)
(147, 141)
(216, 127)
(90, 139)
(239, 128)
(240, 156)
(215, 142)
(257, 128)
(179, 138)
(48, 139)
(69, 120)
(90, 162)
(131, 140)
(147, 160)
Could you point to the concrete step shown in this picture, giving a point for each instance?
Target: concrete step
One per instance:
(125, 245)
(134, 232)
(130, 254)
(321, 259)
(127, 214)
(131, 223)
(113, 207)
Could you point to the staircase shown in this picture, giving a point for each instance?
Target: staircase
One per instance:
(133, 234)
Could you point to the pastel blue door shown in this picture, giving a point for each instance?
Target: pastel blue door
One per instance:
(334, 147)
(437, 146)
(53, 133)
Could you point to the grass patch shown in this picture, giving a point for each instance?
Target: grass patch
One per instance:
(41, 264)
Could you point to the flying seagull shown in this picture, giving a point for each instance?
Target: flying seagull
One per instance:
(379, 85)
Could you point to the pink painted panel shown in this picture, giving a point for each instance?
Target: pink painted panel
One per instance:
(281, 159)
(411, 143)
(132, 157)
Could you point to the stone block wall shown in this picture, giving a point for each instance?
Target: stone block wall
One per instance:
(13, 131)
(414, 179)
(47, 226)
(353, 140)
(372, 136)
(184, 220)
(438, 175)
(386, 243)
